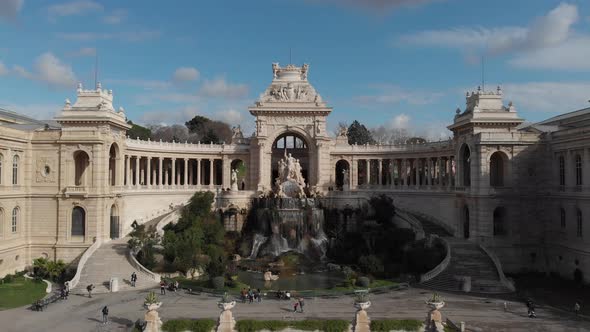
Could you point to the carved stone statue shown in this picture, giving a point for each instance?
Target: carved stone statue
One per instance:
(237, 132)
(345, 177)
(342, 131)
(304, 70)
(234, 180)
(290, 182)
(275, 69)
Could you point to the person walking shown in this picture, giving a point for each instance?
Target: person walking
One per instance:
(259, 295)
(295, 305)
(577, 308)
(301, 303)
(89, 288)
(105, 315)
(531, 308)
(133, 279)
(162, 288)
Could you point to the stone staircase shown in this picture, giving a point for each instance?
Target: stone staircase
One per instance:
(111, 260)
(467, 259)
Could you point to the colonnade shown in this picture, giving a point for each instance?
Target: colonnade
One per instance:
(404, 172)
(170, 172)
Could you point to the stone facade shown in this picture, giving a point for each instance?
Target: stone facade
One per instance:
(521, 190)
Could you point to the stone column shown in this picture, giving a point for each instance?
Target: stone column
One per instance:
(368, 163)
(211, 180)
(173, 177)
(160, 172)
(429, 178)
(128, 171)
(185, 173)
(190, 174)
(449, 173)
(353, 176)
(149, 172)
(199, 172)
(586, 168)
(137, 160)
(403, 170)
(380, 176)
(260, 166)
(417, 174)
(439, 171)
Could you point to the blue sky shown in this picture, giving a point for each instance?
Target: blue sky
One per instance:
(396, 63)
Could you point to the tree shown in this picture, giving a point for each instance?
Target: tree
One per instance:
(175, 133)
(384, 209)
(196, 124)
(209, 131)
(359, 134)
(142, 241)
(138, 131)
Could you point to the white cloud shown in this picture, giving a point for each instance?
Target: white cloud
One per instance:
(393, 94)
(125, 36)
(84, 51)
(168, 117)
(185, 74)
(400, 121)
(547, 31)
(72, 8)
(554, 97)
(230, 116)
(49, 69)
(9, 9)
(36, 111)
(222, 89)
(145, 84)
(115, 17)
(378, 5)
(3, 69)
(572, 55)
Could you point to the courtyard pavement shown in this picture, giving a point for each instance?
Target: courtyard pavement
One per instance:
(80, 313)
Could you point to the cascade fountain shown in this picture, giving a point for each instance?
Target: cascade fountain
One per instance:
(290, 221)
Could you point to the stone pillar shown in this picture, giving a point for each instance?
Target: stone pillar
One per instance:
(362, 322)
(185, 173)
(128, 171)
(451, 177)
(417, 174)
(227, 323)
(190, 174)
(368, 163)
(137, 159)
(586, 168)
(260, 166)
(160, 172)
(211, 166)
(439, 171)
(165, 172)
(198, 172)
(380, 175)
(173, 178)
(353, 176)
(149, 172)
(403, 172)
(429, 178)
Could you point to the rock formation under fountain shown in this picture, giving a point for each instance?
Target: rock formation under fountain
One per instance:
(289, 220)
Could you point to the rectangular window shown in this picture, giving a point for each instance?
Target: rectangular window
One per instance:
(579, 224)
(562, 218)
(561, 171)
(578, 170)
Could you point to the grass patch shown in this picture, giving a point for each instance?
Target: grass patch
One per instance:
(377, 283)
(249, 325)
(387, 325)
(193, 325)
(20, 292)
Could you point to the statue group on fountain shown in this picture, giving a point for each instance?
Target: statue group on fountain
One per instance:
(290, 182)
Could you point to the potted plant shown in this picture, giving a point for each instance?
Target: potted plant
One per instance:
(226, 303)
(361, 299)
(151, 302)
(435, 302)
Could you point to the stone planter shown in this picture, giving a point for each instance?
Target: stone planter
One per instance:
(435, 305)
(152, 306)
(362, 305)
(226, 305)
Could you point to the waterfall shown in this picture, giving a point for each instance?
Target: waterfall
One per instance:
(259, 240)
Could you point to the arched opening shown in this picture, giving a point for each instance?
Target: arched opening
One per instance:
(497, 169)
(290, 144)
(465, 222)
(561, 171)
(342, 175)
(562, 217)
(241, 173)
(499, 221)
(579, 229)
(466, 165)
(78, 221)
(362, 172)
(15, 219)
(15, 161)
(81, 161)
(114, 222)
(578, 276)
(113, 156)
(578, 163)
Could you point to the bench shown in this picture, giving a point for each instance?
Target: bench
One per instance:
(39, 305)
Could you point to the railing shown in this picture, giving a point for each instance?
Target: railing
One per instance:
(415, 224)
(186, 146)
(446, 145)
(76, 191)
(441, 266)
(154, 276)
(76, 279)
(507, 283)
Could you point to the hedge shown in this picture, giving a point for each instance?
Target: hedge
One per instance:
(181, 325)
(249, 325)
(387, 325)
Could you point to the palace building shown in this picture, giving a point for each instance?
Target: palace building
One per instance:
(521, 190)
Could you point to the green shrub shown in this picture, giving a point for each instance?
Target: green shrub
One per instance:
(8, 279)
(218, 282)
(363, 282)
(181, 325)
(387, 325)
(371, 264)
(249, 325)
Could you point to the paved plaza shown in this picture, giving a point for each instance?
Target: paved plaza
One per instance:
(80, 313)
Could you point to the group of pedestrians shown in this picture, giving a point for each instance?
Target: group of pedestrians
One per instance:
(299, 303)
(251, 295)
(531, 308)
(173, 286)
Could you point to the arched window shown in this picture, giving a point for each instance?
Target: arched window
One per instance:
(113, 160)
(561, 171)
(497, 169)
(579, 229)
(578, 161)
(562, 217)
(78, 221)
(499, 221)
(15, 170)
(81, 161)
(466, 166)
(14, 222)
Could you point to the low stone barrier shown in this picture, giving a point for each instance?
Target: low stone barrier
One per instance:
(76, 279)
(441, 266)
